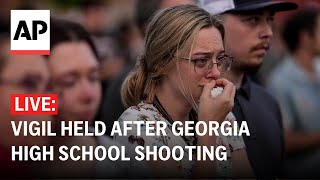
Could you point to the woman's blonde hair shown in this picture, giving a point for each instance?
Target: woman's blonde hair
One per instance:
(170, 33)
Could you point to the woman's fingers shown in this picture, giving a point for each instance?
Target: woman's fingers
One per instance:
(208, 87)
(228, 87)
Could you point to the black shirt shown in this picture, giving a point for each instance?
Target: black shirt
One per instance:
(265, 145)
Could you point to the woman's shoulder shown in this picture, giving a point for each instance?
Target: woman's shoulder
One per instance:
(143, 111)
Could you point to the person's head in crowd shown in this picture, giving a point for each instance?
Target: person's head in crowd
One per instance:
(184, 50)
(94, 15)
(73, 63)
(248, 27)
(301, 32)
(20, 74)
(144, 10)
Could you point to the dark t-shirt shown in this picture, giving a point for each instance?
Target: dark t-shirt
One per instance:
(265, 145)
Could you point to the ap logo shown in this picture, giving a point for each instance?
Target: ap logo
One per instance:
(30, 32)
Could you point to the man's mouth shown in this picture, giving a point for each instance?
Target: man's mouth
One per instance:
(261, 49)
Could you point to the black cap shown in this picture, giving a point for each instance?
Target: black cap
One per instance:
(221, 6)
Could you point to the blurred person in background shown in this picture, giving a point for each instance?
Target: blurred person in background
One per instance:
(112, 107)
(278, 51)
(115, 44)
(296, 85)
(6, 6)
(74, 67)
(19, 74)
(95, 16)
(118, 50)
(248, 27)
(96, 20)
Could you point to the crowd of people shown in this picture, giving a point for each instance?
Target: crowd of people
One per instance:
(162, 66)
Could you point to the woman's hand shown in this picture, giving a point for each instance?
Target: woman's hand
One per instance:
(216, 109)
(213, 109)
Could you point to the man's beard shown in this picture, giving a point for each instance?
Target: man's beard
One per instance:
(247, 68)
(252, 68)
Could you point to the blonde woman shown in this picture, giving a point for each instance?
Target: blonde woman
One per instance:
(183, 59)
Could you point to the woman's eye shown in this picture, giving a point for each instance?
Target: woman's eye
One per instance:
(67, 82)
(30, 84)
(200, 62)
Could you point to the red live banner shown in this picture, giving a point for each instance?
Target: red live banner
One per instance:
(22, 104)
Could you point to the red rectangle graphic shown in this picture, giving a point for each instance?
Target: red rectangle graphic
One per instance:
(34, 104)
(30, 52)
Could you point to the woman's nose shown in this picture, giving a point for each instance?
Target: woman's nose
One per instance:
(214, 72)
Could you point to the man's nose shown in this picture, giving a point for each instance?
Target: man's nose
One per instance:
(266, 30)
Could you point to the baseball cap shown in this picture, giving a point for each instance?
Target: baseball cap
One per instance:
(221, 6)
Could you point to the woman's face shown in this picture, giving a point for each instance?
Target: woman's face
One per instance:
(22, 74)
(75, 75)
(208, 45)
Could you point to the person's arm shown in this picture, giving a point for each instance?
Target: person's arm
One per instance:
(205, 169)
(212, 110)
(299, 142)
(295, 141)
(241, 167)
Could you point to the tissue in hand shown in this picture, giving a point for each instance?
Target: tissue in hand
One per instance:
(216, 91)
